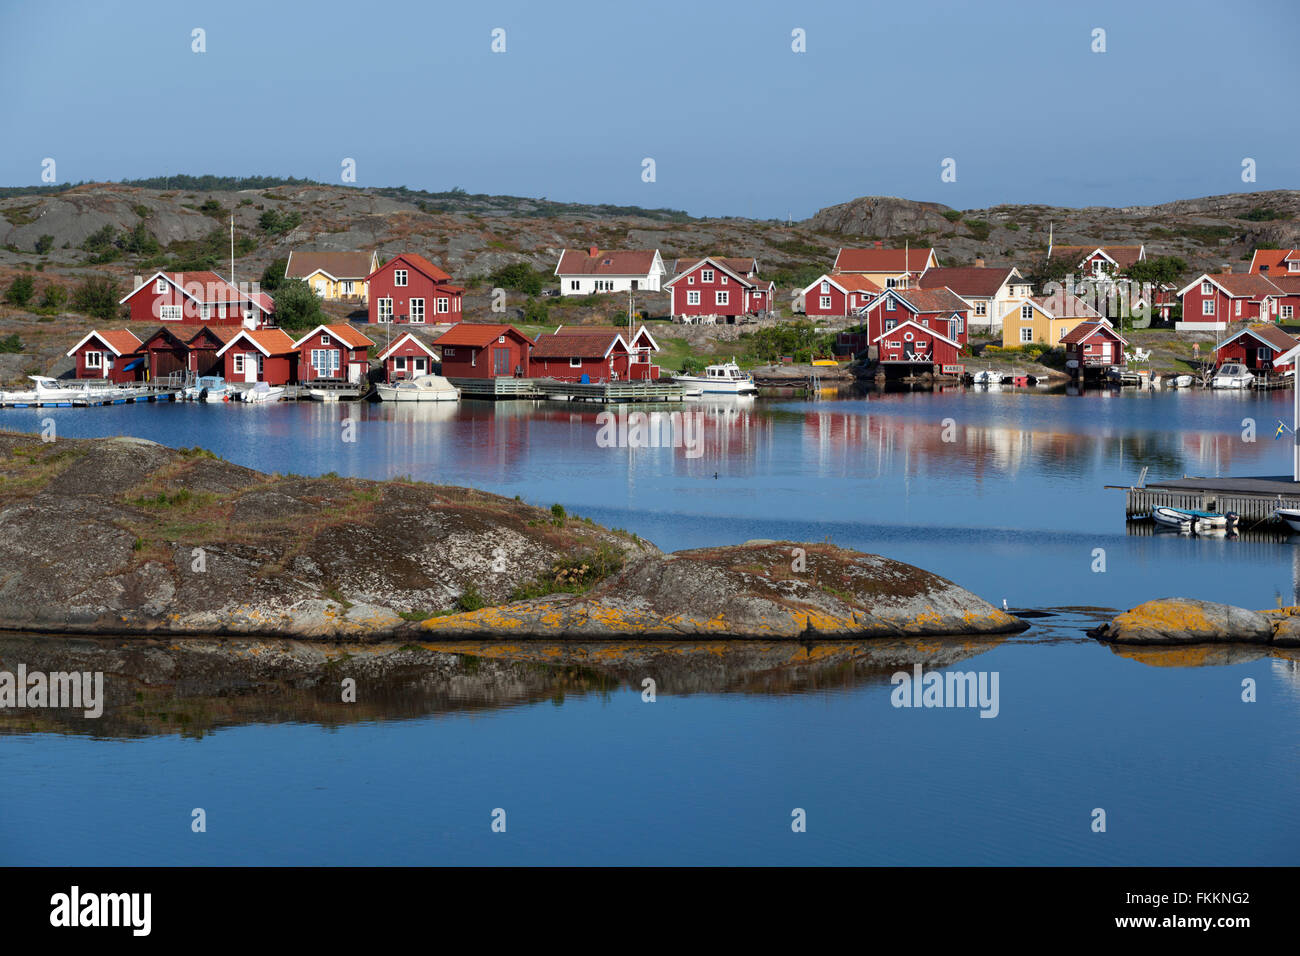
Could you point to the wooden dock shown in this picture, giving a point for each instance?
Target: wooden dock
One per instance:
(1254, 499)
(498, 388)
(613, 392)
(91, 397)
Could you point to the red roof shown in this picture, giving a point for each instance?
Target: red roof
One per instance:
(343, 332)
(621, 262)
(1268, 334)
(882, 260)
(966, 280)
(207, 288)
(1275, 259)
(740, 266)
(477, 335)
(267, 341)
(851, 282)
(933, 300)
(1124, 256)
(1240, 285)
(121, 341)
(417, 262)
(222, 332)
(1085, 330)
(591, 344)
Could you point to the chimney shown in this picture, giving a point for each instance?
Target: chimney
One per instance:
(593, 251)
(139, 281)
(979, 262)
(880, 243)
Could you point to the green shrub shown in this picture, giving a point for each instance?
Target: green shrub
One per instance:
(97, 296)
(44, 244)
(20, 290)
(470, 600)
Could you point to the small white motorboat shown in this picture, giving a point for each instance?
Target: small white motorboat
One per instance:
(1291, 516)
(1232, 375)
(987, 377)
(724, 379)
(322, 395)
(1180, 381)
(422, 388)
(262, 393)
(1197, 522)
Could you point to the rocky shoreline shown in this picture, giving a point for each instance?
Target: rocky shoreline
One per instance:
(123, 536)
(1170, 621)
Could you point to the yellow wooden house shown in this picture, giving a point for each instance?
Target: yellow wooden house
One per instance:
(336, 276)
(1044, 319)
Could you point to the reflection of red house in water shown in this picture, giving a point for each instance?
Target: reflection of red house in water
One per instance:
(112, 354)
(471, 350)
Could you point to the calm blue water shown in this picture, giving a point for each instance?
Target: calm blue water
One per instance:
(1013, 507)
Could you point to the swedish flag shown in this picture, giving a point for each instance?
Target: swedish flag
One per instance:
(1281, 427)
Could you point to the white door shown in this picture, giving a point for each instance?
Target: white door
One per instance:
(354, 372)
(250, 366)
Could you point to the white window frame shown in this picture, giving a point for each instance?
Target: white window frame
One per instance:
(981, 308)
(825, 302)
(1207, 288)
(443, 305)
(417, 310)
(94, 359)
(384, 310)
(237, 363)
(1027, 312)
(1026, 335)
(693, 297)
(1207, 307)
(400, 277)
(171, 313)
(1288, 311)
(575, 362)
(706, 275)
(159, 286)
(722, 297)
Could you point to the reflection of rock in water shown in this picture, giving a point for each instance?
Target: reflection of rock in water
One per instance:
(1203, 655)
(192, 686)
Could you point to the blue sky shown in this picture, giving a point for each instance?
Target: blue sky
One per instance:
(736, 122)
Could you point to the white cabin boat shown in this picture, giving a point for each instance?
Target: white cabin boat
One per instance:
(724, 379)
(263, 393)
(1232, 375)
(422, 388)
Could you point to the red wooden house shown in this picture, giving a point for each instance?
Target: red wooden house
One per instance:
(197, 297)
(641, 348)
(592, 355)
(1288, 306)
(259, 355)
(939, 309)
(334, 353)
(471, 350)
(1257, 347)
(203, 347)
(1212, 302)
(912, 344)
(1092, 347)
(718, 288)
(839, 294)
(113, 354)
(167, 352)
(407, 357)
(410, 288)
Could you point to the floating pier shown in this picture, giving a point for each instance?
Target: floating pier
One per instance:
(1254, 499)
(88, 397)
